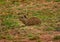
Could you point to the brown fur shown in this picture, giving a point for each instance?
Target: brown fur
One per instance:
(30, 21)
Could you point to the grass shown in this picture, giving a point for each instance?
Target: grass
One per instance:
(42, 14)
(9, 37)
(57, 29)
(48, 0)
(57, 37)
(33, 37)
(50, 29)
(38, 40)
(15, 2)
(10, 21)
(57, 0)
(33, 8)
(0, 36)
(2, 2)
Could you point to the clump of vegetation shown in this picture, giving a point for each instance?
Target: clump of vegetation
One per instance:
(57, 29)
(38, 40)
(9, 37)
(49, 29)
(2, 2)
(48, 0)
(33, 37)
(1, 36)
(10, 21)
(57, 0)
(57, 37)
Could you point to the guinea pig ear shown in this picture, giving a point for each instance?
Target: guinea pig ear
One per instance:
(25, 16)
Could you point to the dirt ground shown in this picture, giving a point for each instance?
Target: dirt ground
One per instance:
(13, 30)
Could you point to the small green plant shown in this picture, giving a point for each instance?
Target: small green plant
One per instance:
(57, 29)
(49, 29)
(15, 2)
(57, 37)
(33, 37)
(9, 37)
(57, 0)
(38, 40)
(48, 0)
(0, 36)
(2, 2)
(10, 21)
